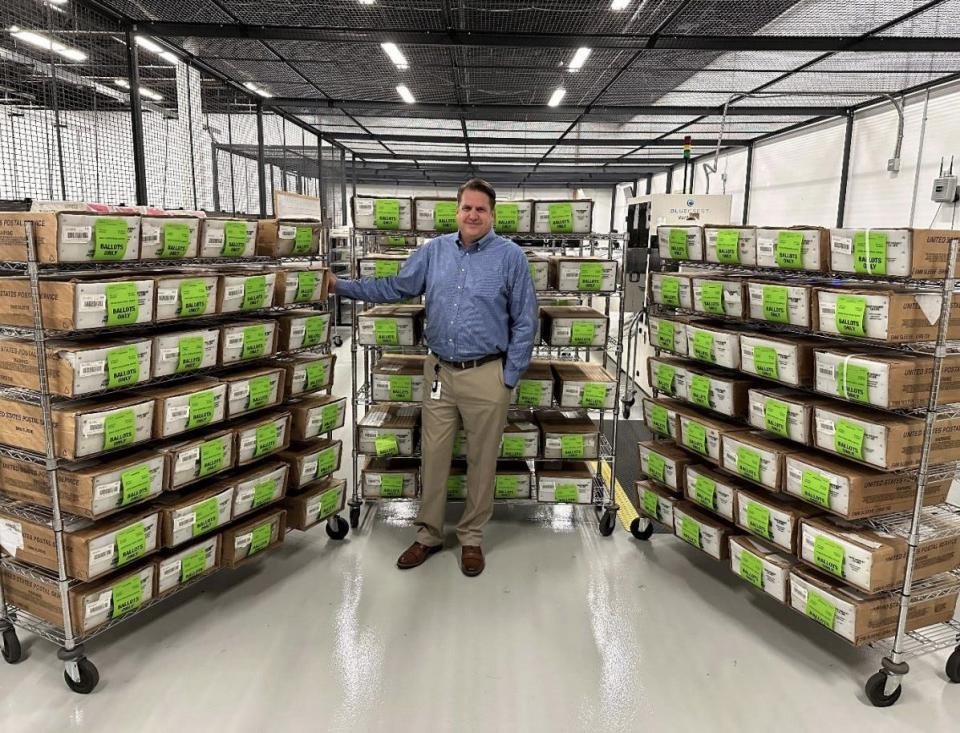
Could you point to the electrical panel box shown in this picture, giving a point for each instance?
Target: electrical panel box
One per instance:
(944, 189)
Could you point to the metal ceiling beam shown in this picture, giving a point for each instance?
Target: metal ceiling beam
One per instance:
(527, 141)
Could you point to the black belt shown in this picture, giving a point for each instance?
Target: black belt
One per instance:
(471, 363)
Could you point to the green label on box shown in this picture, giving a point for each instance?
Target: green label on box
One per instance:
(560, 217)
(254, 342)
(313, 328)
(765, 362)
(776, 417)
(386, 268)
(260, 538)
(656, 467)
(870, 255)
(386, 213)
(848, 439)
(259, 392)
(751, 568)
(109, 238)
(666, 331)
(176, 239)
(189, 353)
(700, 390)
(329, 501)
(326, 462)
(205, 516)
(401, 387)
(665, 376)
(651, 504)
(591, 276)
(705, 492)
(775, 304)
(127, 596)
(234, 238)
(254, 293)
(566, 493)
(511, 447)
(815, 488)
(266, 436)
(391, 485)
(506, 218)
(456, 486)
(703, 346)
(696, 437)
(582, 333)
(659, 420)
(192, 565)
(505, 487)
(758, 519)
(728, 246)
(849, 318)
(316, 376)
(788, 251)
(748, 463)
(330, 417)
(396, 241)
(670, 291)
(119, 429)
(711, 294)
(200, 409)
(594, 395)
(571, 446)
(828, 555)
(306, 286)
(123, 305)
(820, 609)
(303, 241)
(263, 492)
(690, 531)
(193, 298)
(212, 456)
(385, 332)
(123, 366)
(131, 543)
(532, 269)
(445, 216)
(529, 393)
(677, 243)
(853, 382)
(386, 445)
(134, 484)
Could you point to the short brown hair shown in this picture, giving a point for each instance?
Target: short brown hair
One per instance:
(478, 184)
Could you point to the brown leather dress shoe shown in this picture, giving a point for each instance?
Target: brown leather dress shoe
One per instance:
(471, 560)
(416, 555)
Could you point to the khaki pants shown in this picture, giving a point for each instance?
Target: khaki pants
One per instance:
(479, 397)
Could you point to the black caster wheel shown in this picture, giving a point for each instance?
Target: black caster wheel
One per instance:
(875, 691)
(607, 523)
(89, 677)
(337, 341)
(643, 534)
(953, 666)
(337, 527)
(626, 412)
(10, 646)
(354, 517)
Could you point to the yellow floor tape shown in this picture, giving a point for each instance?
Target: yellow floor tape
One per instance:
(628, 511)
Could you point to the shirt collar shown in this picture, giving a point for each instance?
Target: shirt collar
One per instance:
(481, 243)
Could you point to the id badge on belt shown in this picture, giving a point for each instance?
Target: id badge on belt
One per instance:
(435, 387)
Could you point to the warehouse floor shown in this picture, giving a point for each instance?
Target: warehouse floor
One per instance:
(565, 631)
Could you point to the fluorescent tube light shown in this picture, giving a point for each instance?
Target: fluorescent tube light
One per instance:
(39, 40)
(257, 90)
(579, 58)
(619, 4)
(556, 97)
(395, 54)
(144, 91)
(405, 94)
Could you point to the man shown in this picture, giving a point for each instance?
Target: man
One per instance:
(481, 320)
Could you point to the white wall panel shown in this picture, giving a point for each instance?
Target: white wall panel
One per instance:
(733, 164)
(658, 184)
(940, 140)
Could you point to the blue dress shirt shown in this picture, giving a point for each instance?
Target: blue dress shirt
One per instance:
(480, 300)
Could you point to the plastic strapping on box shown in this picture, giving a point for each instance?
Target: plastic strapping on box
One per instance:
(846, 363)
(866, 256)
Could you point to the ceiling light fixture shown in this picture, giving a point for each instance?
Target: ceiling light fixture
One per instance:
(619, 4)
(367, 2)
(144, 91)
(257, 90)
(579, 58)
(39, 40)
(395, 54)
(405, 94)
(556, 97)
(154, 47)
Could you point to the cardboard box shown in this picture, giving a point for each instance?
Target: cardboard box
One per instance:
(262, 436)
(794, 248)
(92, 489)
(703, 435)
(169, 237)
(568, 434)
(78, 303)
(656, 502)
(705, 532)
(719, 296)
(201, 457)
(319, 502)
(539, 268)
(520, 439)
(318, 460)
(513, 217)
(713, 491)
(714, 344)
(581, 384)
(786, 359)
(714, 389)
(306, 284)
(390, 325)
(253, 389)
(289, 237)
(188, 515)
(664, 462)
(321, 414)
(669, 334)
(583, 274)
(781, 302)
(248, 290)
(854, 491)
(393, 478)
(563, 217)
(762, 566)
(381, 265)
(860, 618)
(783, 412)
(536, 385)
(874, 561)
(774, 518)
(70, 236)
(884, 314)
(399, 378)
(677, 242)
(259, 486)
(672, 289)
(307, 373)
(77, 368)
(228, 237)
(186, 296)
(81, 428)
(303, 329)
(669, 376)
(881, 439)
(245, 340)
(378, 212)
(512, 481)
(898, 252)
(660, 416)
(188, 406)
(263, 531)
(174, 569)
(737, 245)
(389, 430)
(92, 548)
(756, 457)
(889, 380)
(183, 351)
(435, 214)
(574, 325)
(571, 483)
